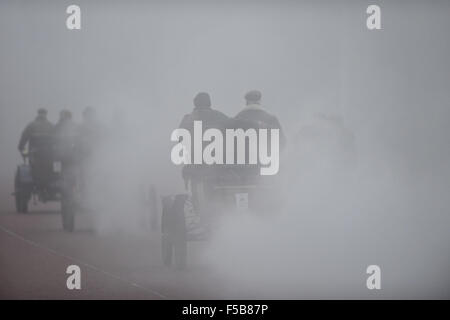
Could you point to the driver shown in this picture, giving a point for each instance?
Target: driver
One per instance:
(211, 118)
(38, 135)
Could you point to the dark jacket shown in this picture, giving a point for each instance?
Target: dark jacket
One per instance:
(65, 139)
(38, 135)
(210, 119)
(262, 119)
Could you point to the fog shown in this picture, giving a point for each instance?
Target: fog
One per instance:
(141, 63)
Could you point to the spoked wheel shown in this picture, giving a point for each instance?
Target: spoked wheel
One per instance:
(173, 227)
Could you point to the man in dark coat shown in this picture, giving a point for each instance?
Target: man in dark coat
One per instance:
(38, 134)
(203, 111)
(65, 138)
(210, 118)
(255, 112)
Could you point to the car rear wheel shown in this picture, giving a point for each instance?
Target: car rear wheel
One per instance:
(68, 218)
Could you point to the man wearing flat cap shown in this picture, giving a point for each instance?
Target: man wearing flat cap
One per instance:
(254, 112)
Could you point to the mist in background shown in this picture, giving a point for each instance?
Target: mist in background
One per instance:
(140, 65)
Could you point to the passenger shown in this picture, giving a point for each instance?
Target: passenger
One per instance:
(255, 116)
(65, 138)
(255, 113)
(38, 136)
(65, 135)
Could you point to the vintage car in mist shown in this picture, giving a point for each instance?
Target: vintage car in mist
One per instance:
(58, 187)
(194, 215)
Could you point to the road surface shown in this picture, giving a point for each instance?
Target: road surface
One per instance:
(35, 253)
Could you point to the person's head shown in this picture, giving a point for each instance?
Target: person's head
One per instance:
(253, 97)
(65, 115)
(42, 113)
(202, 100)
(89, 114)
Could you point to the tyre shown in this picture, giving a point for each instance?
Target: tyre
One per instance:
(68, 218)
(68, 203)
(21, 202)
(180, 253)
(174, 249)
(166, 250)
(173, 227)
(67, 213)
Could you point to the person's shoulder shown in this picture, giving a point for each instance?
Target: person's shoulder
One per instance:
(243, 123)
(34, 124)
(219, 113)
(254, 114)
(186, 120)
(272, 117)
(187, 116)
(247, 113)
(239, 114)
(31, 124)
(269, 116)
